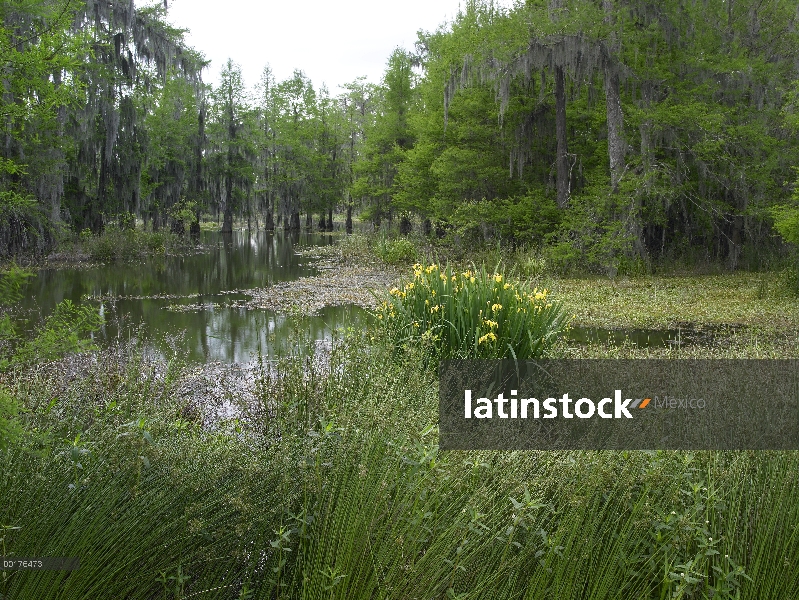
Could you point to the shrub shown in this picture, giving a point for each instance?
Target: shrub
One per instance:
(11, 282)
(68, 329)
(530, 264)
(395, 252)
(121, 245)
(25, 229)
(527, 219)
(786, 222)
(594, 236)
(472, 315)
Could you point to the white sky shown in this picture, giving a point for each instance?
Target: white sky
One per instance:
(332, 41)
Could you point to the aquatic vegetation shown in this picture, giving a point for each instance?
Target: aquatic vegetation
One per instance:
(121, 245)
(332, 485)
(320, 475)
(354, 286)
(472, 314)
(68, 329)
(665, 302)
(347, 277)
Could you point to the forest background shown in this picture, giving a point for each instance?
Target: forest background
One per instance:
(611, 135)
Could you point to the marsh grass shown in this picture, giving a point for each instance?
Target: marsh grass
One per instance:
(333, 486)
(752, 299)
(127, 244)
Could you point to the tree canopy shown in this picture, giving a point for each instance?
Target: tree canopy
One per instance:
(606, 130)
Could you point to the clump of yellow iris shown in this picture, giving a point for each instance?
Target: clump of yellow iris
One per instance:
(471, 314)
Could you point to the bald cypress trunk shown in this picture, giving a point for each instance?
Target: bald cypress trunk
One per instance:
(227, 222)
(562, 160)
(616, 145)
(95, 219)
(615, 117)
(197, 182)
(269, 220)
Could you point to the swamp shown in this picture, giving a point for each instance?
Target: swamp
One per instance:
(223, 309)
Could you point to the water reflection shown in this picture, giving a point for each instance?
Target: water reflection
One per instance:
(215, 328)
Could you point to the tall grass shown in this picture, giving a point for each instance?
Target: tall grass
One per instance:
(332, 486)
(472, 315)
(396, 251)
(121, 245)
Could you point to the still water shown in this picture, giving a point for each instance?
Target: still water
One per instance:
(190, 297)
(193, 303)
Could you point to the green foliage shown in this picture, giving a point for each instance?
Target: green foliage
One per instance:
(703, 152)
(300, 137)
(786, 222)
(387, 139)
(184, 211)
(67, 330)
(396, 252)
(232, 142)
(528, 219)
(122, 245)
(11, 282)
(11, 429)
(596, 234)
(472, 315)
(63, 332)
(697, 148)
(12, 198)
(170, 168)
(35, 44)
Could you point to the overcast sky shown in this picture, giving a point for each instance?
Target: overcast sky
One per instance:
(332, 41)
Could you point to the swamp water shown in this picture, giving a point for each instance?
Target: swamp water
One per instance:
(194, 303)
